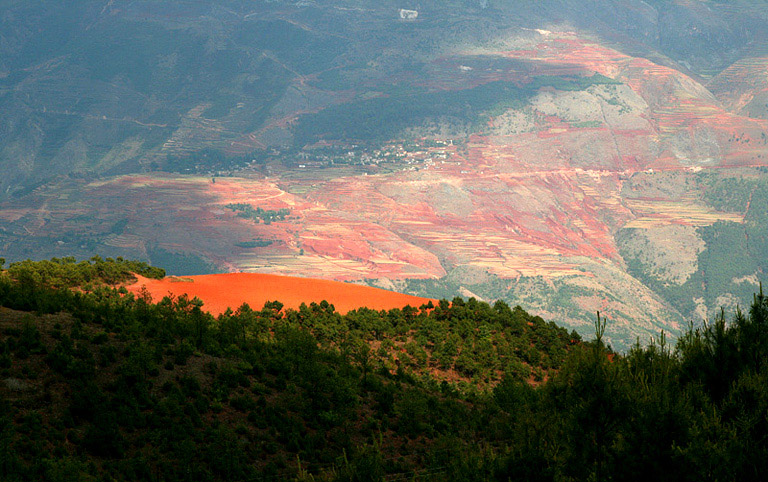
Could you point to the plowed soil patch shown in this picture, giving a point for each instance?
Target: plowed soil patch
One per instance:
(220, 291)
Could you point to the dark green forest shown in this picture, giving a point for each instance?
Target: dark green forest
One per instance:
(99, 385)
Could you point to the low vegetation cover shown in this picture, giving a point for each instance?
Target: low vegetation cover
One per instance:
(259, 214)
(261, 243)
(98, 384)
(68, 272)
(385, 118)
(207, 160)
(734, 252)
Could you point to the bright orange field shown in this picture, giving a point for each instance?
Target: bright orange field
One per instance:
(220, 291)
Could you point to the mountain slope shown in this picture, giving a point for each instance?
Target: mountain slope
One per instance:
(558, 154)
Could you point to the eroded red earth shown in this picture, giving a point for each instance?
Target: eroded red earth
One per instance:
(221, 291)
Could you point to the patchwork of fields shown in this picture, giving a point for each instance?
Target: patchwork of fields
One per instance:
(567, 144)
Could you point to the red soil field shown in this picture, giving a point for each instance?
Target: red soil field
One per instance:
(230, 290)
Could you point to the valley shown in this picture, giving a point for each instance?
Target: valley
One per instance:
(523, 158)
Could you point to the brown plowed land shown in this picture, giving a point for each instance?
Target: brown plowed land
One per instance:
(221, 291)
(738, 85)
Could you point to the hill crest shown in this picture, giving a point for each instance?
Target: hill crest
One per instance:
(230, 290)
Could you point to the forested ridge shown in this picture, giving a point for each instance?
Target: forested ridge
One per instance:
(97, 384)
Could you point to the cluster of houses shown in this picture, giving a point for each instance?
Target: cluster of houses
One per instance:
(411, 154)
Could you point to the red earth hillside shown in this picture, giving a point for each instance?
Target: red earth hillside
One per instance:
(230, 290)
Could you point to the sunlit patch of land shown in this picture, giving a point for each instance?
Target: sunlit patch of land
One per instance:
(221, 291)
